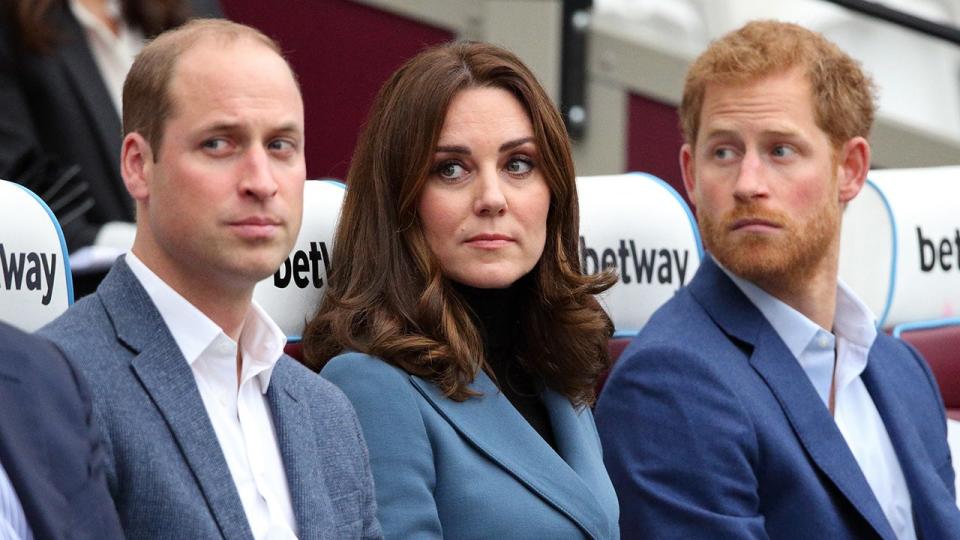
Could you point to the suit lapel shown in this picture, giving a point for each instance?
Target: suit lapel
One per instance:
(497, 430)
(789, 384)
(931, 501)
(297, 441)
(168, 380)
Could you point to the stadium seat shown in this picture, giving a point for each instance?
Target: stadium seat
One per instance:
(939, 342)
(639, 226)
(293, 293)
(900, 245)
(35, 281)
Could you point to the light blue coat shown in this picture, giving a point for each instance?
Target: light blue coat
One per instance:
(475, 469)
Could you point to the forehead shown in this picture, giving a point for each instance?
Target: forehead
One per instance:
(780, 101)
(486, 109)
(238, 77)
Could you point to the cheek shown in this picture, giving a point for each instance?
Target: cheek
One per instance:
(438, 215)
(533, 211)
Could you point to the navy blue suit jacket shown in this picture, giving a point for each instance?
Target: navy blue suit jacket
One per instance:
(711, 429)
(49, 443)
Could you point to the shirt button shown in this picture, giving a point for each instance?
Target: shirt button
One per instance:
(823, 342)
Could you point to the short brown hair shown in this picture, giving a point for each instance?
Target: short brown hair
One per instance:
(147, 103)
(843, 95)
(387, 296)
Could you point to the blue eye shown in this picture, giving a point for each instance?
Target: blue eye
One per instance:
(723, 153)
(519, 166)
(782, 150)
(215, 144)
(280, 144)
(450, 170)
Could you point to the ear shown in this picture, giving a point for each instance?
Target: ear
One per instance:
(136, 165)
(853, 163)
(687, 171)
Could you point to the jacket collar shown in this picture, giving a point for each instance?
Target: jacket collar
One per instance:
(496, 429)
(934, 510)
(772, 360)
(167, 378)
(297, 441)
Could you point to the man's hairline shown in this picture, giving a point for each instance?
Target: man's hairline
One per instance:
(168, 90)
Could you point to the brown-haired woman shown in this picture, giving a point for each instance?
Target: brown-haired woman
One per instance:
(457, 283)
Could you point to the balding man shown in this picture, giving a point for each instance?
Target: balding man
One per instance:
(211, 431)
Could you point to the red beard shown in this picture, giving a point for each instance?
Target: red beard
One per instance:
(780, 261)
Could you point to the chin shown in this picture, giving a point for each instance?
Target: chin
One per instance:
(491, 280)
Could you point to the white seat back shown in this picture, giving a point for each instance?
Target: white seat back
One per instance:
(35, 281)
(293, 293)
(900, 245)
(637, 224)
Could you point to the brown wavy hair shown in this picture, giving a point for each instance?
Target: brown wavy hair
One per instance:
(843, 95)
(387, 296)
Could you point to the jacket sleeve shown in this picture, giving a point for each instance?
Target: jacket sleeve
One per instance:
(401, 456)
(680, 449)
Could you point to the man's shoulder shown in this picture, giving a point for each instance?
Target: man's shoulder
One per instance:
(321, 395)
(36, 359)
(681, 323)
(83, 327)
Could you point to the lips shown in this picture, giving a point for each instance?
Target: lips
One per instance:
(489, 240)
(256, 226)
(754, 224)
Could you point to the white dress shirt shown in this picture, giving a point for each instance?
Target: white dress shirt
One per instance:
(113, 53)
(240, 414)
(854, 411)
(13, 522)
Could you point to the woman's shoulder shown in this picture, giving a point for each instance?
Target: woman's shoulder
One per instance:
(360, 375)
(352, 362)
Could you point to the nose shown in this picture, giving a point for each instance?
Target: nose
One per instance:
(256, 175)
(490, 199)
(751, 182)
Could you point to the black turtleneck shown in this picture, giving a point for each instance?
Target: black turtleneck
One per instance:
(496, 313)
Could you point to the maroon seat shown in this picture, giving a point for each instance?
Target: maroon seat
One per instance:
(295, 350)
(939, 343)
(615, 345)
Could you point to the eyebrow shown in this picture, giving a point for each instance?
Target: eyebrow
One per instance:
(220, 127)
(509, 145)
(775, 132)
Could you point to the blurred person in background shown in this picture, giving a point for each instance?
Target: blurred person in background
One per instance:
(62, 66)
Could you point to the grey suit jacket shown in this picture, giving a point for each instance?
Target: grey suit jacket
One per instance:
(165, 469)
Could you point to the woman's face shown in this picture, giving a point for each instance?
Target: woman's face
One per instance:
(484, 206)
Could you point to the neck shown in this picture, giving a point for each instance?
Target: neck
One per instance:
(495, 312)
(225, 304)
(813, 294)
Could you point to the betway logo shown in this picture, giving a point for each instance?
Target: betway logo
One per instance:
(303, 268)
(28, 270)
(645, 264)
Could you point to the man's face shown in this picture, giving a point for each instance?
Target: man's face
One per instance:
(223, 198)
(764, 178)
